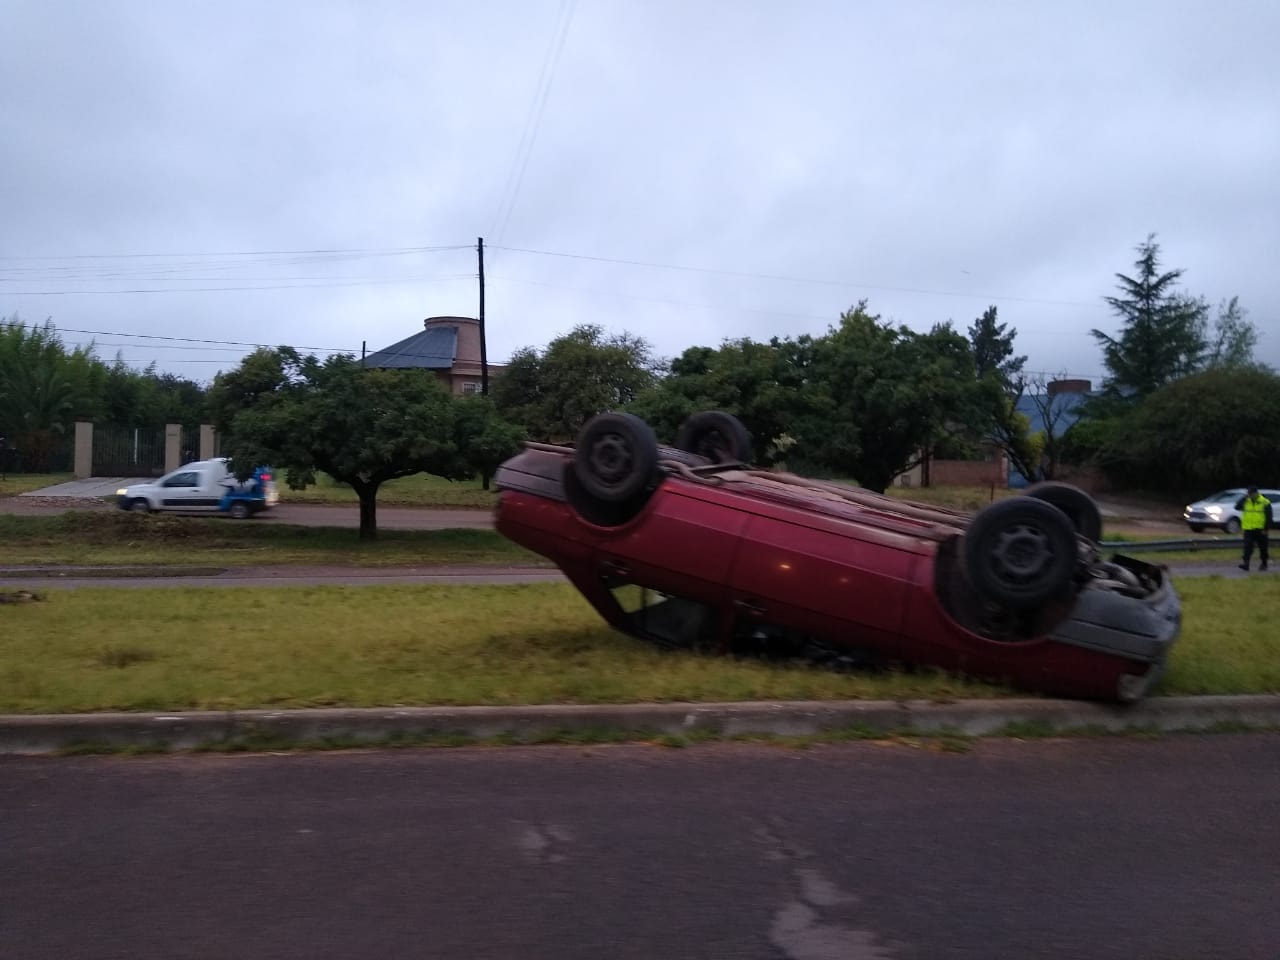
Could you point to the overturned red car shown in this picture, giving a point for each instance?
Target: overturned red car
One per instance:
(690, 547)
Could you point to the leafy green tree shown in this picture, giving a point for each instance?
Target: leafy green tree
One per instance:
(43, 387)
(1162, 334)
(993, 354)
(581, 373)
(1234, 337)
(361, 427)
(1002, 384)
(1208, 430)
(742, 377)
(878, 397)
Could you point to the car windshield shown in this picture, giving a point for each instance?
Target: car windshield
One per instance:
(1222, 495)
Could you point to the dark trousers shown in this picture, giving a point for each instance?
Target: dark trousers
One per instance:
(1252, 537)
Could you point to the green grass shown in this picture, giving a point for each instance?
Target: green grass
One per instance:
(419, 490)
(126, 539)
(176, 649)
(955, 498)
(16, 483)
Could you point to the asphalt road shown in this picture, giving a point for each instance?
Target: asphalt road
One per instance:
(301, 514)
(1163, 849)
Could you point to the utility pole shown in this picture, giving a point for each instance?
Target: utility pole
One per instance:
(484, 347)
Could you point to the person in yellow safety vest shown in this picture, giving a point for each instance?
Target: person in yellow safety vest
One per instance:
(1255, 517)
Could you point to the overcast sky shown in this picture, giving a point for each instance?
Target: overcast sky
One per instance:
(173, 168)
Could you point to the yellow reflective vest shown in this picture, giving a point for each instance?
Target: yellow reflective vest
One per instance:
(1253, 513)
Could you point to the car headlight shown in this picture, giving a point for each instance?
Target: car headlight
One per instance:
(122, 491)
(1215, 511)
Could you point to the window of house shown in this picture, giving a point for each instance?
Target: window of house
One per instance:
(470, 386)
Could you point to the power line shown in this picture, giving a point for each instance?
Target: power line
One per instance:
(282, 286)
(787, 279)
(369, 251)
(533, 121)
(156, 336)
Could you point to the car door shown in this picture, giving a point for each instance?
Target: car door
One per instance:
(181, 490)
(684, 542)
(819, 576)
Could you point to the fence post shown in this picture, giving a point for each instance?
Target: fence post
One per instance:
(82, 456)
(172, 447)
(206, 441)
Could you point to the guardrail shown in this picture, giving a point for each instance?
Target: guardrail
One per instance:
(1155, 546)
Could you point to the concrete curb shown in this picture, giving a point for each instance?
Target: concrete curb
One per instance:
(266, 729)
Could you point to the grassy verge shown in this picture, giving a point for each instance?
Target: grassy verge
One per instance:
(16, 483)
(180, 649)
(420, 490)
(119, 538)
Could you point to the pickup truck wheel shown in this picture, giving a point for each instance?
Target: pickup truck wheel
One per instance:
(139, 505)
(238, 510)
(616, 457)
(1080, 508)
(717, 436)
(1020, 553)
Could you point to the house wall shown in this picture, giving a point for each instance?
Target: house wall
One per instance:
(465, 374)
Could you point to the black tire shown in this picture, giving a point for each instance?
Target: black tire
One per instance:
(1020, 553)
(139, 505)
(717, 436)
(1196, 527)
(238, 510)
(1080, 508)
(616, 457)
(1233, 526)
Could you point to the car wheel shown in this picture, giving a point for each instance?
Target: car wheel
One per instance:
(1020, 553)
(1080, 508)
(140, 506)
(239, 510)
(717, 436)
(1233, 526)
(616, 457)
(1196, 527)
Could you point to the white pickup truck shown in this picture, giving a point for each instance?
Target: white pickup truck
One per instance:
(206, 486)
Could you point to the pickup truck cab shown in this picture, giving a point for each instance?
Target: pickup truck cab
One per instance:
(205, 486)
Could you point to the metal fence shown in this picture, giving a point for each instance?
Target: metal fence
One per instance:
(40, 452)
(128, 452)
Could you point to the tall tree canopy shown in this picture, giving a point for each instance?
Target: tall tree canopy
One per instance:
(552, 393)
(877, 397)
(1208, 430)
(753, 381)
(361, 427)
(1165, 332)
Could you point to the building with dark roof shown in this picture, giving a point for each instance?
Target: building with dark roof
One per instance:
(447, 346)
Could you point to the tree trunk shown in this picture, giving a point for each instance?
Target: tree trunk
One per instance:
(368, 510)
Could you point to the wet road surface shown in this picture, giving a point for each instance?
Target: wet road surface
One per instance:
(1101, 848)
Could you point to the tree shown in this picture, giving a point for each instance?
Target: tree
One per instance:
(993, 350)
(1162, 333)
(742, 377)
(1002, 385)
(879, 397)
(1234, 337)
(584, 372)
(361, 427)
(43, 386)
(1212, 429)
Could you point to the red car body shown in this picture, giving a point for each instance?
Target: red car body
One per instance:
(754, 554)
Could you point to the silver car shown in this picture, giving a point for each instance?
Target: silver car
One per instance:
(1219, 511)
